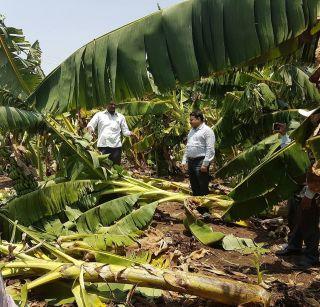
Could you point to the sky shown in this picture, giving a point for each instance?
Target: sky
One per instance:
(63, 26)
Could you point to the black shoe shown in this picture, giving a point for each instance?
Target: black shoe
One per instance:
(288, 252)
(307, 262)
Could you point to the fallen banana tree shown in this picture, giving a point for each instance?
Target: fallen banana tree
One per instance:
(65, 267)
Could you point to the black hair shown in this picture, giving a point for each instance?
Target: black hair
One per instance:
(197, 114)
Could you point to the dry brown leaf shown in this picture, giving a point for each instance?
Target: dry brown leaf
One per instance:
(212, 269)
(198, 254)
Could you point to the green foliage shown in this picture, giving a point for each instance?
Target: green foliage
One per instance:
(247, 160)
(183, 42)
(202, 231)
(18, 120)
(20, 71)
(272, 181)
(47, 201)
(106, 213)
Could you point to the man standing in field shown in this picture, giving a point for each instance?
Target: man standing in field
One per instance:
(110, 125)
(305, 222)
(199, 153)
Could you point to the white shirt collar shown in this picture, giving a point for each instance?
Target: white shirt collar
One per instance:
(107, 112)
(199, 127)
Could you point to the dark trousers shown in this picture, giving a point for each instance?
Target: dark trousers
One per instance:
(304, 227)
(199, 181)
(114, 153)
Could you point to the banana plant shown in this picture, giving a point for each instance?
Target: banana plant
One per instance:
(46, 263)
(20, 70)
(250, 158)
(274, 180)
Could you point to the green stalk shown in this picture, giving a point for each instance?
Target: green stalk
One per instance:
(34, 264)
(52, 276)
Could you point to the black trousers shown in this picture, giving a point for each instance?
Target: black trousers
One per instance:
(304, 227)
(199, 181)
(114, 153)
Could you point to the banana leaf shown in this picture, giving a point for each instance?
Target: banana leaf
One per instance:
(18, 120)
(48, 201)
(180, 43)
(136, 108)
(306, 129)
(19, 75)
(249, 159)
(106, 213)
(274, 180)
(124, 231)
(202, 231)
(300, 88)
(230, 132)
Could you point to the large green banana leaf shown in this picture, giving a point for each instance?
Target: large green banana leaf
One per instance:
(229, 131)
(181, 43)
(20, 71)
(106, 213)
(250, 158)
(19, 120)
(300, 88)
(272, 181)
(48, 201)
(136, 108)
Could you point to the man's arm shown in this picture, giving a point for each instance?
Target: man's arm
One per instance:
(93, 123)
(124, 127)
(184, 159)
(210, 140)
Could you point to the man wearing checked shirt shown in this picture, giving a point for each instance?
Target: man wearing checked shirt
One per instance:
(199, 154)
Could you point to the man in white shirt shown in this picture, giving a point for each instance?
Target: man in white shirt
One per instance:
(199, 154)
(110, 125)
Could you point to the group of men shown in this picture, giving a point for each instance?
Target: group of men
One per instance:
(199, 154)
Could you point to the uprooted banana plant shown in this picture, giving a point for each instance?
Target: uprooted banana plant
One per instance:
(45, 263)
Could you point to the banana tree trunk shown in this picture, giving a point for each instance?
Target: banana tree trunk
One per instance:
(218, 289)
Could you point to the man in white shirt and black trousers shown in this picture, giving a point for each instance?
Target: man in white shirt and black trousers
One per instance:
(199, 154)
(110, 125)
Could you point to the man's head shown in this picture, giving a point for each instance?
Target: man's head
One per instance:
(111, 107)
(196, 119)
(280, 128)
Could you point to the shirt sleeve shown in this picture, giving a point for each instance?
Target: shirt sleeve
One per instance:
(94, 121)
(210, 140)
(184, 159)
(285, 140)
(124, 127)
(309, 194)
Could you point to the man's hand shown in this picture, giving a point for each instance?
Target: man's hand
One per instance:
(184, 167)
(306, 203)
(204, 169)
(90, 130)
(134, 136)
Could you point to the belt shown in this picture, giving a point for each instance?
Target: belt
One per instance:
(195, 159)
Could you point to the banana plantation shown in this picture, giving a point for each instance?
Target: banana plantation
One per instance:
(79, 230)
